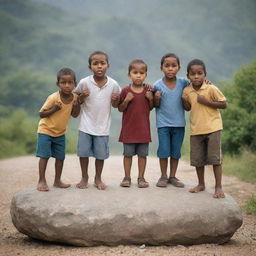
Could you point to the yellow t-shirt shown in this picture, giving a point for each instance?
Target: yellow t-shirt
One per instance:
(204, 119)
(56, 124)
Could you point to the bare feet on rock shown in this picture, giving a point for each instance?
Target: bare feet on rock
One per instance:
(99, 185)
(218, 193)
(61, 185)
(197, 189)
(42, 186)
(83, 184)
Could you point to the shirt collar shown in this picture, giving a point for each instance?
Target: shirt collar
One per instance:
(93, 81)
(204, 86)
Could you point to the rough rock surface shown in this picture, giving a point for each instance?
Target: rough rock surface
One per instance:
(118, 215)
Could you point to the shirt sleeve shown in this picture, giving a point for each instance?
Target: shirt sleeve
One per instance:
(80, 87)
(117, 88)
(123, 94)
(49, 103)
(217, 95)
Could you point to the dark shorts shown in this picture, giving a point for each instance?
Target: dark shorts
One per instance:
(48, 146)
(205, 149)
(170, 141)
(132, 149)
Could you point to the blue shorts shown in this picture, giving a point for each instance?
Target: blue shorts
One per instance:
(48, 146)
(170, 141)
(91, 145)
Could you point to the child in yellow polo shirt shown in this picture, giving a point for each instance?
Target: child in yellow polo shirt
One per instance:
(54, 115)
(204, 101)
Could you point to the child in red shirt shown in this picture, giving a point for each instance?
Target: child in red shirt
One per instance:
(136, 101)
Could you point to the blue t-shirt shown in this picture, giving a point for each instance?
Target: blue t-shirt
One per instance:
(170, 112)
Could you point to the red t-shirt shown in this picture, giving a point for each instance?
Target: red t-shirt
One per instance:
(135, 121)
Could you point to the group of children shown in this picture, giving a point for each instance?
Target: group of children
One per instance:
(92, 99)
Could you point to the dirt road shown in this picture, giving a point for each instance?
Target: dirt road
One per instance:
(17, 173)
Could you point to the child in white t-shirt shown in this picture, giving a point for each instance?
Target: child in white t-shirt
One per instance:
(97, 93)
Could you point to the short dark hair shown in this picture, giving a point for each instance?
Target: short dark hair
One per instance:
(167, 55)
(196, 62)
(97, 53)
(136, 61)
(66, 71)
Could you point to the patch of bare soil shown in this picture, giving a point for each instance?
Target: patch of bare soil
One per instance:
(17, 173)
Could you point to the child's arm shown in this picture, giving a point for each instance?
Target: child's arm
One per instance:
(185, 102)
(76, 108)
(150, 98)
(123, 106)
(213, 104)
(83, 95)
(157, 98)
(115, 99)
(53, 109)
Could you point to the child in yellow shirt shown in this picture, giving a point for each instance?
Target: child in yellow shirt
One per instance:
(204, 101)
(55, 114)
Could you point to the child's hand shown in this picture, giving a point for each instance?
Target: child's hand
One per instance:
(184, 96)
(208, 82)
(129, 97)
(202, 100)
(148, 87)
(57, 106)
(83, 95)
(149, 95)
(158, 94)
(115, 96)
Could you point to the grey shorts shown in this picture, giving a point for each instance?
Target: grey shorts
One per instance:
(205, 149)
(91, 145)
(131, 149)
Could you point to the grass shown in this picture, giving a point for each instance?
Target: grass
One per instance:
(250, 205)
(242, 166)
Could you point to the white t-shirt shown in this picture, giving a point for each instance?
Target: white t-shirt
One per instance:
(95, 112)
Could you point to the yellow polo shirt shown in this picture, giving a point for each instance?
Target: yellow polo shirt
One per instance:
(204, 119)
(56, 124)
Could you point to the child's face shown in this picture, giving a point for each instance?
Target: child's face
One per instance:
(99, 65)
(66, 84)
(170, 67)
(138, 74)
(196, 75)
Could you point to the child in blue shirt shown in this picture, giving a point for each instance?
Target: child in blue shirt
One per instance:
(170, 118)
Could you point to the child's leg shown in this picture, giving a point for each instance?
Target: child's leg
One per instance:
(97, 181)
(42, 185)
(217, 169)
(201, 184)
(84, 161)
(163, 181)
(58, 171)
(173, 166)
(163, 166)
(127, 166)
(142, 161)
(127, 161)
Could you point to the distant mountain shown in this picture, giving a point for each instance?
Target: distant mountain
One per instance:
(46, 35)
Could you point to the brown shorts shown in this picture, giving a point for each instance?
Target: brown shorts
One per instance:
(205, 149)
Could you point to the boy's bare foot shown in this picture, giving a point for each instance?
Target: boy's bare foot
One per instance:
(83, 184)
(61, 185)
(218, 193)
(197, 189)
(42, 186)
(99, 185)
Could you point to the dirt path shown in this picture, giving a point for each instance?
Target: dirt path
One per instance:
(17, 173)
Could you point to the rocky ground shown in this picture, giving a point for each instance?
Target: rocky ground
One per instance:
(17, 173)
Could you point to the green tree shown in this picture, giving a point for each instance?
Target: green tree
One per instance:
(240, 116)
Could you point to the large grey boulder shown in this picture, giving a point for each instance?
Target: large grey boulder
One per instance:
(118, 215)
